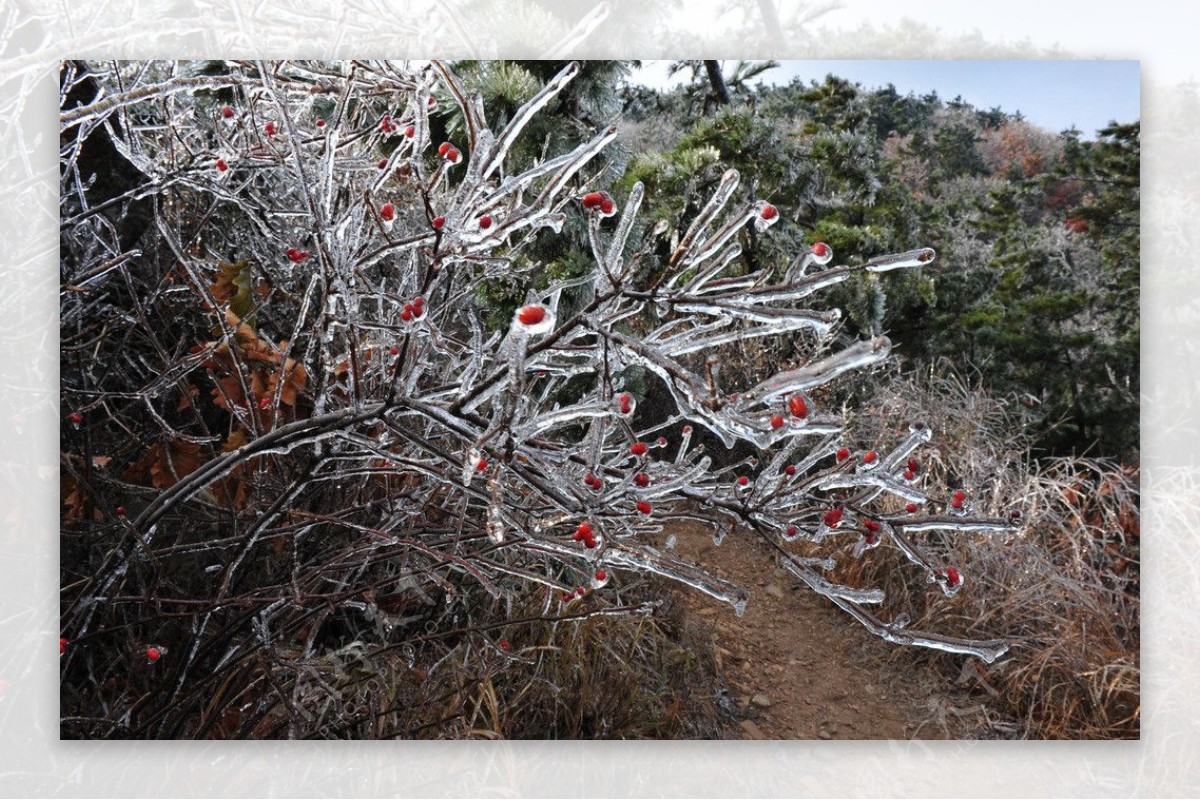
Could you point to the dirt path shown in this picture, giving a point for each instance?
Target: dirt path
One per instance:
(796, 666)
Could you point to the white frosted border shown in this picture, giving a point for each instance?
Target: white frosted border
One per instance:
(33, 762)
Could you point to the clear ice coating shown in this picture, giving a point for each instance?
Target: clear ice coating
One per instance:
(502, 436)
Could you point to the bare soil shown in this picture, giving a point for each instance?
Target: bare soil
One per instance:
(797, 667)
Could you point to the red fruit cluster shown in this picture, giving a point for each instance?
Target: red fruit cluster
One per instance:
(387, 212)
(221, 165)
(625, 403)
(599, 200)
(531, 315)
(584, 534)
(270, 128)
(592, 482)
(449, 152)
(438, 222)
(638, 448)
(413, 310)
(386, 125)
(871, 525)
(295, 254)
(832, 518)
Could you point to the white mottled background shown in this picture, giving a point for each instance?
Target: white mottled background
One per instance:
(34, 36)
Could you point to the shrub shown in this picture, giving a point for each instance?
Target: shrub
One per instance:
(293, 438)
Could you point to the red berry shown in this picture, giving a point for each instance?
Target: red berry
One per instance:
(269, 128)
(606, 206)
(452, 155)
(642, 479)
(62, 645)
(769, 212)
(1014, 515)
(820, 249)
(481, 465)
(911, 508)
(407, 314)
(914, 465)
(790, 469)
(438, 222)
(504, 644)
(221, 165)
(798, 406)
(264, 402)
(485, 222)
(777, 421)
(743, 480)
(531, 315)
(869, 457)
(638, 448)
(227, 112)
(382, 163)
(418, 302)
(394, 350)
(432, 102)
(909, 475)
(579, 591)
(792, 531)
(120, 511)
(601, 575)
(589, 479)
(568, 597)
(843, 453)
(153, 653)
(832, 518)
(584, 530)
(871, 525)
(75, 417)
(952, 577)
(387, 212)
(385, 124)
(644, 507)
(444, 148)
(589, 542)
(687, 429)
(320, 123)
(295, 255)
(410, 131)
(592, 199)
(958, 499)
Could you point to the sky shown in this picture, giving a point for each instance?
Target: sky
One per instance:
(1052, 94)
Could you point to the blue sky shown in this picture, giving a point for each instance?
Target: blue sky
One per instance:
(1053, 94)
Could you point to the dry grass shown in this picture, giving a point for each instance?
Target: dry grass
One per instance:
(1064, 589)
